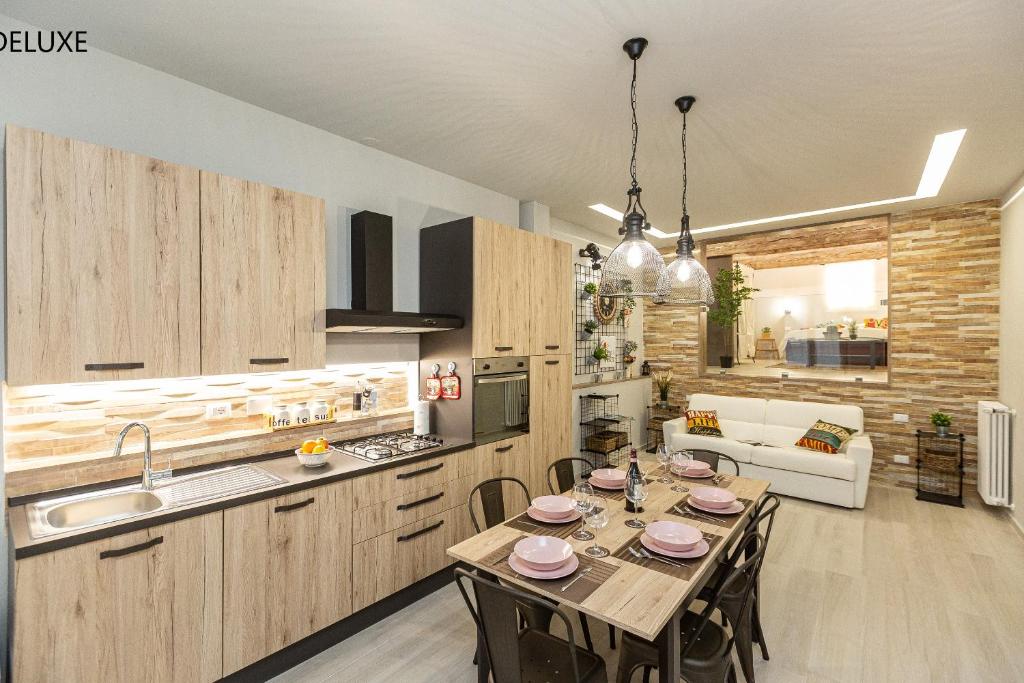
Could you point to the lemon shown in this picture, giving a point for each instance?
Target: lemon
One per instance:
(319, 449)
(308, 446)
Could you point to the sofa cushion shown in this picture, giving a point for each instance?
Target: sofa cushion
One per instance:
(782, 436)
(795, 459)
(802, 415)
(826, 437)
(703, 422)
(750, 410)
(739, 451)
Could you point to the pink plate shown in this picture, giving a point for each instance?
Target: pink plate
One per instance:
(694, 465)
(704, 474)
(610, 475)
(733, 509)
(556, 507)
(543, 553)
(713, 498)
(520, 567)
(699, 550)
(541, 517)
(674, 536)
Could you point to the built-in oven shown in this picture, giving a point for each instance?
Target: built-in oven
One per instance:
(501, 398)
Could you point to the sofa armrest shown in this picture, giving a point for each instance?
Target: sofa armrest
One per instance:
(860, 450)
(672, 427)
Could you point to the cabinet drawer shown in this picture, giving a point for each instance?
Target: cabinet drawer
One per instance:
(406, 479)
(397, 512)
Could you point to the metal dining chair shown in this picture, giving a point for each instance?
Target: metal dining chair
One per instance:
(714, 458)
(525, 655)
(705, 654)
(564, 470)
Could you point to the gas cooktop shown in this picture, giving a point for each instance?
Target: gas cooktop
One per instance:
(388, 446)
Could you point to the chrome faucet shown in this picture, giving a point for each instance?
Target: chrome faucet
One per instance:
(148, 476)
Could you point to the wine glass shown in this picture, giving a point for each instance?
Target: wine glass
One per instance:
(597, 519)
(636, 493)
(583, 500)
(664, 458)
(678, 458)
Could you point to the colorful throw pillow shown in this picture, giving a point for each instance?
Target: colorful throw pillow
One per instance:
(703, 422)
(870, 322)
(826, 437)
(884, 323)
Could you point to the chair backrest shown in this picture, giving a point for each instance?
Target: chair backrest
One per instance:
(497, 620)
(565, 473)
(492, 501)
(714, 459)
(734, 573)
(765, 511)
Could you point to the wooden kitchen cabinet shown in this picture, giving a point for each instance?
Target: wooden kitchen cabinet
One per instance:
(502, 289)
(287, 570)
(507, 458)
(102, 263)
(142, 606)
(551, 323)
(550, 416)
(263, 281)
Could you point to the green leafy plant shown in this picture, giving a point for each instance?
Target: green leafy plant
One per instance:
(600, 353)
(590, 288)
(590, 326)
(730, 293)
(941, 419)
(664, 382)
(628, 347)
(766, 330)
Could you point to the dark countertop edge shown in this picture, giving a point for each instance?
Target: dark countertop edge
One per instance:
(30, 547)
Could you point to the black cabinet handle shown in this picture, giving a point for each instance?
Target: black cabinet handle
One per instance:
(268, 361)
(421, 501)
(428, 321)
(114, 366)
(502, 348)
(294, 506)
(552, 347)
(551, 362)
(426, 529)
(132, 548)
(502, 449)
(416, 473)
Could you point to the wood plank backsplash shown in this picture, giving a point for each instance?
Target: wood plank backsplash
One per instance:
(70, 428)
(944, 338)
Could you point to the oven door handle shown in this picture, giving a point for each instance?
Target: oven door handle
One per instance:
(503, 378)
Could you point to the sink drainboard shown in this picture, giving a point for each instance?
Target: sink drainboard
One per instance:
(230, 481)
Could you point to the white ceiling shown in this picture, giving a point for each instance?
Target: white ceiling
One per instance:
(801, 105)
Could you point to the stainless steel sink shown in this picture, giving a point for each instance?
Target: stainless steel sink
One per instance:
(59, 515)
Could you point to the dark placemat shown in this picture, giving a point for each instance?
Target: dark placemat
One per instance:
(686, 569)
(616, 494)
(724, 521)
(577, 592)
(528, 524)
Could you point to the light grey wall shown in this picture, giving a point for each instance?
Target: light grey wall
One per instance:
(1011, 339)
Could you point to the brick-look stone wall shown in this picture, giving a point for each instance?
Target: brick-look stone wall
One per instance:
(944, 338)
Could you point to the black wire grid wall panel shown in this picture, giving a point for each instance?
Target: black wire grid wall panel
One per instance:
(584, 312)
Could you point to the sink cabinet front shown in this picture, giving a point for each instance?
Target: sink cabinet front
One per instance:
(142, 606)
(287, 570)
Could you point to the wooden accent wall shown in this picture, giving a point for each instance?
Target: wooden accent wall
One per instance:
(944, 338)
(63, 435)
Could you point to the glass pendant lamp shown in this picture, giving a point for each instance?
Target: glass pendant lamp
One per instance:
(686, 281)
(634, 268)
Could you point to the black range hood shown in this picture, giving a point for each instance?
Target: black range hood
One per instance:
(372, 295)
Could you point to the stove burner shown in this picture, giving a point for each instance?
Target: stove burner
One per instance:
(387, 446)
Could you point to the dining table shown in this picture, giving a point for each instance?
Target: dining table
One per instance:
(646, 597)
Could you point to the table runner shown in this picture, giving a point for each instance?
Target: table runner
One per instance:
(724, 521)
(686, 571)
(721, 481)
(577, 592)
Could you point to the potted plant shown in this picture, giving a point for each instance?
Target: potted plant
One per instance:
(766, 333)
(600, 353)
(664, 382)
(628, 304)
(589, 290)
(941, 421)
(730, 294)
(628, 347)
(853, 329)
(589, 327)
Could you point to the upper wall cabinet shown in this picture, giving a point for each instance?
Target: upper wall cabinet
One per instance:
(502, 301)
(263, 281)
(551, 321)
(102, 263)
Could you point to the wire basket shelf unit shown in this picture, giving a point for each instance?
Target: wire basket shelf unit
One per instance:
(605, 433)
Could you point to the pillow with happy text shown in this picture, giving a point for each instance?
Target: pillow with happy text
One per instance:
(703, 422)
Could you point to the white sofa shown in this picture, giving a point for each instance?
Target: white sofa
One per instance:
(760, 434)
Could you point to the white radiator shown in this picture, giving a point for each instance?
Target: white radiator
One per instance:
(995, 449)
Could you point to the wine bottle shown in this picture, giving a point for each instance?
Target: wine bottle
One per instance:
(633, 476)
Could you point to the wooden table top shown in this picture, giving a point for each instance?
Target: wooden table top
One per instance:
(636, 599)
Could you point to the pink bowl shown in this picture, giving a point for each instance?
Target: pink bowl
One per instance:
(674, 535)
(712, 497)
(695, 466)
(554, 506)
(543, 553)
(609, 476)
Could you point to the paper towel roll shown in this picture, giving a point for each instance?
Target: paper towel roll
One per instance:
(421, 418)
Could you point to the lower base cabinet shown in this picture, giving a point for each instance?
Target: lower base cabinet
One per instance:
(287, 570)
(142, 606)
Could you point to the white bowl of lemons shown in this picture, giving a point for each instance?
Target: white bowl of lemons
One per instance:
(314, 452)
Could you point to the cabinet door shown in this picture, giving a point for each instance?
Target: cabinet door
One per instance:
(287, 571)
(143, 606)
(102, 263)
(502, 275)
(552, 299)
(550, 415)
(507, 458)
(263, 252)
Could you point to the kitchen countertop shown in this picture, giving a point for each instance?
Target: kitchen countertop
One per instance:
(282, 463)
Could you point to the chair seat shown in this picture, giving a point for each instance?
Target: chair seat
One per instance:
(544, 658)
(708, 651)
